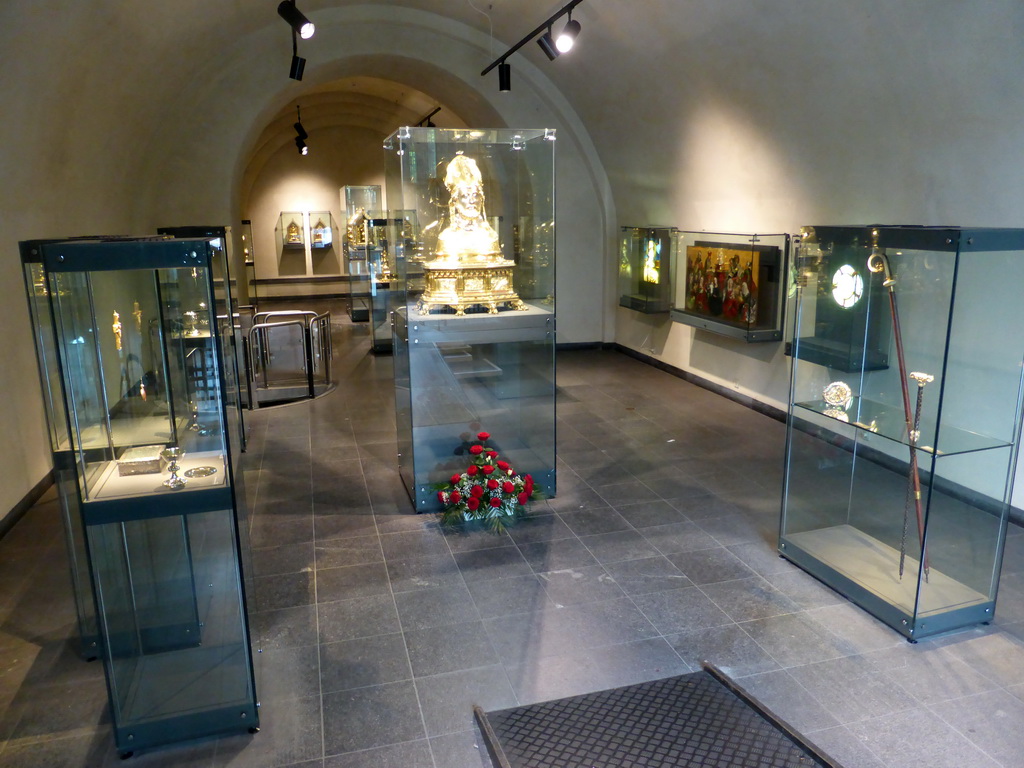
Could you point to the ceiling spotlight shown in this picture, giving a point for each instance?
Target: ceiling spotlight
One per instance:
(303, 149)
(547, 44)
(302, 26)
(297, 68)
(567, 38)
(551, 46)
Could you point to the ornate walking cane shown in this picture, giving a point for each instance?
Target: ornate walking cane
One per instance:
(915, 434)
(879, 262)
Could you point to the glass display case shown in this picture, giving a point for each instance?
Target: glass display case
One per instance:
(291, 243)
(136, 368)
(291, 231)
(646, 255)
(474, 329)
(357, 265)
(898, 477)
(249, 260)
(731, 284)
(324, 258)
(388, 243)
(321, 230)
(360, 202)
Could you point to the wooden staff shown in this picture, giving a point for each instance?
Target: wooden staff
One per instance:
(879, 262)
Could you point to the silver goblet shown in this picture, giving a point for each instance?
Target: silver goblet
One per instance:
(172, 455)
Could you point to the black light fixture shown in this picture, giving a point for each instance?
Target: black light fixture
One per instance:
(547, 44)
(300, 25)
(297, 68)
(551, 45)
(425, 121)
(300, 133)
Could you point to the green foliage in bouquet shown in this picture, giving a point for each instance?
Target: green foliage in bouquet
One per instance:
(488, 490)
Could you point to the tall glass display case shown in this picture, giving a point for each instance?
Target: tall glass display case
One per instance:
(146, 440)
(899, 469)
(731, 284)
(387, 245)
(249, 261)
(646, 255)
(474, 332)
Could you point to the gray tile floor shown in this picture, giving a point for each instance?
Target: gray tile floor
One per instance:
(379, 629)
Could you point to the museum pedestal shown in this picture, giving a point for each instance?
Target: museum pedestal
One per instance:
(473, 353)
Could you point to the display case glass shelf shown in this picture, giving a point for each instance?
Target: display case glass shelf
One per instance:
(474, 325)
(135, 349)
(902, 446)
(646, 255)
(731, 284)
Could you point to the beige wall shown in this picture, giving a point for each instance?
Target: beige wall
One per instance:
(713, 114)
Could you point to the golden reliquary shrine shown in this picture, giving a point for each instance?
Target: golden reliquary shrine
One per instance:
(468, 267)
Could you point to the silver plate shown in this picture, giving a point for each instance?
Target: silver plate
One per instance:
(200, 472)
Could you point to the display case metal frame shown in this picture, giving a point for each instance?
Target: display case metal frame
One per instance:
(164, 561)
(899, 478)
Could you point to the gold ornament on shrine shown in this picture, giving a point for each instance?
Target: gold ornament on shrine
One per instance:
(468, 267)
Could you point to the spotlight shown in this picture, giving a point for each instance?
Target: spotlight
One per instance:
(298, 66)
(301, 132)
(551, 46)
(301, 145)
(547, 44)
(567, 39)
(302, 26)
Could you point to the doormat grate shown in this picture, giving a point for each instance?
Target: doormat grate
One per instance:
(698, 720)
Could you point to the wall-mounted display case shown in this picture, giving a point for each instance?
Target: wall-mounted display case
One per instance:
(135, 363)
(898, 478)
(731, 284)
(474, 331)
(645, 258)
(321, 230)
(291, 231)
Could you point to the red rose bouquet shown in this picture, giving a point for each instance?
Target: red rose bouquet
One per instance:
(489, 489)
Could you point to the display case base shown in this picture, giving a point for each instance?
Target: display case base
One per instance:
(359, 309)
(866, 571)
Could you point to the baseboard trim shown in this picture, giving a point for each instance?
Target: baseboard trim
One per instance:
(18, 510)
(753, 404)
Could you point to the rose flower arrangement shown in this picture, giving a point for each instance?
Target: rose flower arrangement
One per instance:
(489, 489)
